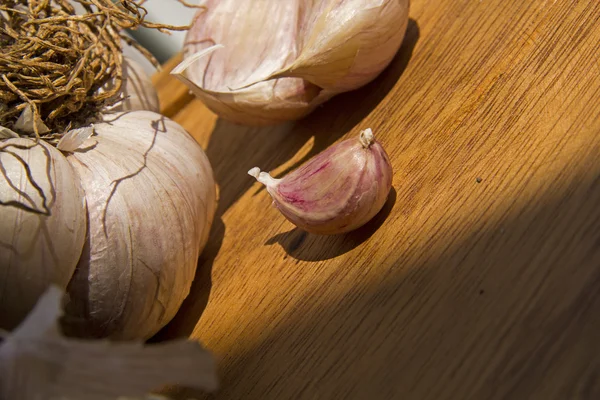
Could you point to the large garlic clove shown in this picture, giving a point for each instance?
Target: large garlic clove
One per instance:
(346, 44)
(338, 190)
(42, 224)
(314, 49)
(151, 201)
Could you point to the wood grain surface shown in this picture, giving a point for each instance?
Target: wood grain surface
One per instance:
(480, 279)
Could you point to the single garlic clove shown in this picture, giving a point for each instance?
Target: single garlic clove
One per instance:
(42, 224)
(281, 59)
(338, 190)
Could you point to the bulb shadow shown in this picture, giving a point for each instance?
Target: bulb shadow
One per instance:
(305, 246)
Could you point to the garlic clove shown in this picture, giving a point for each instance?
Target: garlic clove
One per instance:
(250, 54)
(43, 222)
(350, 42)
(282, 70)
(151, 201)
(338, 190)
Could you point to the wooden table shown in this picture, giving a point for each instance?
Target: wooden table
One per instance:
(480, 279)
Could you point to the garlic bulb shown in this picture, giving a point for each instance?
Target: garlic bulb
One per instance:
(42, 220)
(338, 190)
(281, 59)
(151, 200)
(121, 215)
(138, 91)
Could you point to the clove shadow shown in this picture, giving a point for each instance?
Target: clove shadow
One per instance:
(275, 145)
(305, 246)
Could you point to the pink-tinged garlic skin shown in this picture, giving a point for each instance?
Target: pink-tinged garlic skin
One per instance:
(337, 191)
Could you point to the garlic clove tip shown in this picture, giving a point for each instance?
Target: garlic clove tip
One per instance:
(264, 177)
(366, 138)
(254, 172)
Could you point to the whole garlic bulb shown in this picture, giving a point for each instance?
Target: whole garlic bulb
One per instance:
(281, 59)
(150, 196)
(42, 220)
(338, 190)
(151, 200)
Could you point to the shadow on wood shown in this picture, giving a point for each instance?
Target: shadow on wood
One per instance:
(309, 247)
(491, 316)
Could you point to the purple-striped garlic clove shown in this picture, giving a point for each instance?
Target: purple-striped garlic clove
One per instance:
(338, 190)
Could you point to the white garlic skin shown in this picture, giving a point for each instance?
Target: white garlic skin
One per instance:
(338, 190)
(151, 200)
(36, 248)
(281, 59)
(138, 91)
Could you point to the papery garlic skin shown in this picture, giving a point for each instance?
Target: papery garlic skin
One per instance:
(42, 224)
(151, 200)
(349, 42)
(138, 91)
(338, 190)
(37, 362)
(281, 59)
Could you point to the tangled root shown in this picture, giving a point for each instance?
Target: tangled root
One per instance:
(55, 60)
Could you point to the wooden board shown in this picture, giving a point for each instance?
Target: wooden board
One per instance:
(480, 279)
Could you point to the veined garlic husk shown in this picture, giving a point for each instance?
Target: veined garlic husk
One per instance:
(145, 191)
(42, 224)
(151, 200)
(281, 59)
(338, 190)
